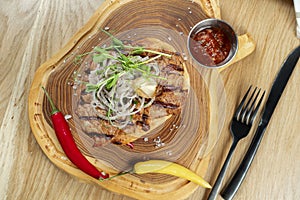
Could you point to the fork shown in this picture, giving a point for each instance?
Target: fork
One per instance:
(240, 127)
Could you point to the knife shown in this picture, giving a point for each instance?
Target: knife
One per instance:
(274, 96)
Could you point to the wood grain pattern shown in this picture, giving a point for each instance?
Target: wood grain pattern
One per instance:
(58, 71)
(33, 31)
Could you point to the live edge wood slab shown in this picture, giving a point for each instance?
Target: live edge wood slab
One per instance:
(167, 22)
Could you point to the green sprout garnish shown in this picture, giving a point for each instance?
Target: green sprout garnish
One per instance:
(127, 62)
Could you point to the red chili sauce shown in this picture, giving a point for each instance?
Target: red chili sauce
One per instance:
(210, 46)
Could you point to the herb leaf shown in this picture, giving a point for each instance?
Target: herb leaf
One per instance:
(112, 82)
(115, 42)
(91, 87)
(125, 63)
(98, 58)
(138, 50)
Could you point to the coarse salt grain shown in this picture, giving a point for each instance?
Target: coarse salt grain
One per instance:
(67, 117)
(158, 142)
(63, 158)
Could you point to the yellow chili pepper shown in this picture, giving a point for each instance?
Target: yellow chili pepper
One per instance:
(166, 167)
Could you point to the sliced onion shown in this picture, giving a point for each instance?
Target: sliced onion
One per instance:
(127, 97)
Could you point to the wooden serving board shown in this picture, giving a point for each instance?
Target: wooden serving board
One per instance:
(164, 24)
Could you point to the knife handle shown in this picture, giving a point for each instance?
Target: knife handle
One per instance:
(231, 189)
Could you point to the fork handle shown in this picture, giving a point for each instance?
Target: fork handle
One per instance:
(231, 189)
(215, 190)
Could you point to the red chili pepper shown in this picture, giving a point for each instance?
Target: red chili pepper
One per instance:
(130, 144)
(64, 135)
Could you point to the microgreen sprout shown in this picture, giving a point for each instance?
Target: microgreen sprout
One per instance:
(126, 61)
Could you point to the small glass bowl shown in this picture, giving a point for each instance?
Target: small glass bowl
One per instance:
(216, 26)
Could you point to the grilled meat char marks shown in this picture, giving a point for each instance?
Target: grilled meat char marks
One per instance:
(170, 92)
(169, 99)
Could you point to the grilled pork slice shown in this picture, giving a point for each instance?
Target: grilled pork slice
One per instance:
(170, 95)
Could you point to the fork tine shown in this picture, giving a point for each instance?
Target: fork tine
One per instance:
(249, 112)
(246, 109)
(251, 108)
(241, 105)
(257, 107)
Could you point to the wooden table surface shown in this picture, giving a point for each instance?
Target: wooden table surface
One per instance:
(32, 31)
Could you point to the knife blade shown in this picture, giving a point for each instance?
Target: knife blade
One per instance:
(277, 89)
